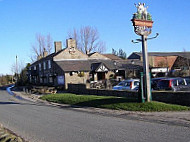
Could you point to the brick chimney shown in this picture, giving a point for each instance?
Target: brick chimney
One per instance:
(58, 46)
(71, 43)
(39, 57)
(45, 53)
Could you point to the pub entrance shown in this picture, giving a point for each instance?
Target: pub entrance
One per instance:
(101, 75)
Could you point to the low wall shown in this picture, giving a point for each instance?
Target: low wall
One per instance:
(81, 89)
(181, 98)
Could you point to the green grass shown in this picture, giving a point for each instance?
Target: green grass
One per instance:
(118, 103)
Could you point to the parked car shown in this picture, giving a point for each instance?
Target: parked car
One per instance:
(187, 85)
(154, 82)
(132, 84)
(174, 84)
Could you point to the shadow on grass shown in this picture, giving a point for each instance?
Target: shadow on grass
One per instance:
(109, 101)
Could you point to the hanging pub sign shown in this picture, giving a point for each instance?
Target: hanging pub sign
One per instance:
(142, 20)
(142, 23)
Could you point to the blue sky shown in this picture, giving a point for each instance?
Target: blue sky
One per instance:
(20, 20)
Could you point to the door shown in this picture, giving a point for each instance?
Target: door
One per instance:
(101, 75)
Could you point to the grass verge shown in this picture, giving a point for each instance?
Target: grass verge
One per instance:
(117, 103)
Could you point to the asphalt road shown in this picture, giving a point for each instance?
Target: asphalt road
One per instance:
(38, 122)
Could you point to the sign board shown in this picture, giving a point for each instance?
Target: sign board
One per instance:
(159, 70)
(142, 23)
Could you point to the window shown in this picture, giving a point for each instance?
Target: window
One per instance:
(181, 82)
(50, 79)
(44, 65)
(128, 83)
(175, 83)
(49, 64)
(40, 67)
(41, 80)
(34, 67)
(136, 83)
(71, 73)
(187, 81)
(121, 84)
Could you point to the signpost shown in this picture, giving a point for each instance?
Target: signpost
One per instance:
(142, 22)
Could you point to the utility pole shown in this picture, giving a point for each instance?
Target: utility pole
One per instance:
(142, 22)
(16, 69)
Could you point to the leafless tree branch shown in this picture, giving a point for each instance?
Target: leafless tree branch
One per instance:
(87, 40)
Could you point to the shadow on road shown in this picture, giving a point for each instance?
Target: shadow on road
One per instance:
(8, 103)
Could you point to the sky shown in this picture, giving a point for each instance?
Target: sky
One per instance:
(21, 20)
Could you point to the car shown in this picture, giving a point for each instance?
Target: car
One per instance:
(154, 82)
(174, 84)
(132, 84)
(186, 87)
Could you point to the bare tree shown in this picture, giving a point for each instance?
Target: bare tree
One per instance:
(42, 43)
(88, 40)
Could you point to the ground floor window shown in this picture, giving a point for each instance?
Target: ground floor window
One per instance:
(41, 80)
(50, 79)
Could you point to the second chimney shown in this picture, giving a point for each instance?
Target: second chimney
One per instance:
(58, 46)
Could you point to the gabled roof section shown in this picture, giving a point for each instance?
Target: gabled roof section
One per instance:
(135, 55)
(70, 53)
(112, 57)
(99, 67)
(96, 55)
(108, 63)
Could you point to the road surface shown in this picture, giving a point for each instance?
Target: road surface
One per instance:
(39, 122)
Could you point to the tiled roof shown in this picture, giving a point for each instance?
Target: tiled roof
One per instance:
(83, 65)
(74, 65)
(112, 56)
(130, 64)
(86, 65)
(183, 54)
